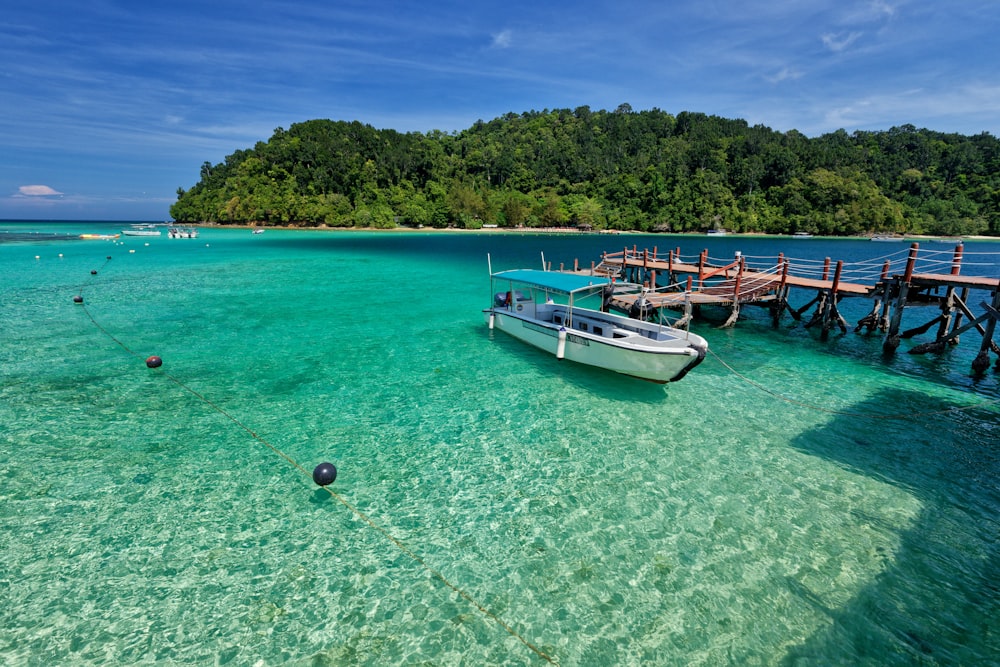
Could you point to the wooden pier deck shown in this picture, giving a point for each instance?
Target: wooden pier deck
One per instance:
(677, 283)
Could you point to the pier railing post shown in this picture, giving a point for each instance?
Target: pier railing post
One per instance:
(956, 262)
(911, 261)
(739, 279)
(781, 296)
(836, 277)
(735, 312)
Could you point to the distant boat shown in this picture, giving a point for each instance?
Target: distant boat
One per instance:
(141, 230)
(716, 232)
(258, 231)
(182, 233)
(887, 237)
(802, 235)
(101, 237)
(949, 240)
(522, 307)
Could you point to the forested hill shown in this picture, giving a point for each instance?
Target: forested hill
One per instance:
(621, 169)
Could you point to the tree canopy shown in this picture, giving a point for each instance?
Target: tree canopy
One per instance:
(621, 169)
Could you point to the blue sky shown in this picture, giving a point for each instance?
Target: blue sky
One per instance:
(109, 106)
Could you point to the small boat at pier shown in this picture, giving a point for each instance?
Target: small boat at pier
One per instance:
(525, 306)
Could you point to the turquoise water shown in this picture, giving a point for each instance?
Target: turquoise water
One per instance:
(604, 520)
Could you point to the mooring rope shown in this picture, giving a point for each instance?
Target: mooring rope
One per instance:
(845, 413)
(333, 494)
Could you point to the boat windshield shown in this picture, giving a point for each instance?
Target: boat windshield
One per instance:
(554, 281)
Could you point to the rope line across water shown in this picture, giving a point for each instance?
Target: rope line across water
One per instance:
(333, 494)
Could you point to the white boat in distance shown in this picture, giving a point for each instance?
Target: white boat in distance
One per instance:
(182, 233)
(524, 307)
(887, 238)
(141, 230)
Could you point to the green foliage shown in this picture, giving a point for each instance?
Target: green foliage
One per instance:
(622, 169)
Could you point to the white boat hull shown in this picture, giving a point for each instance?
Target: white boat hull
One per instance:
(656, 361)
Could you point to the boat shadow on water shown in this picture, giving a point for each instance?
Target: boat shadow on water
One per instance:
(936, 596)
(598, 381)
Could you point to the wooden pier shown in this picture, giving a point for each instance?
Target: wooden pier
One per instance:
(892, 284)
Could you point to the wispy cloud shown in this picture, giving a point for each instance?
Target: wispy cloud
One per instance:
(837, 42)
(785, 74)
(502, 39)
(890, 108)
(38, 191)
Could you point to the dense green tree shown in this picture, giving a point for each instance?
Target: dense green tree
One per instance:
(620, 169)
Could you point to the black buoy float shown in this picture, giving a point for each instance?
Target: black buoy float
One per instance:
(77, 299)
(325, 474)
(93, 272)
(154, 362)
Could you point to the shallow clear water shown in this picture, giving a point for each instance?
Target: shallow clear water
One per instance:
(604, 520)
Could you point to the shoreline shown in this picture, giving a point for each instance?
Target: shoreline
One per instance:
(570, 232)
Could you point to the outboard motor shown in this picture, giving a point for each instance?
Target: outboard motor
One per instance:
(607, 292)
(641, 309)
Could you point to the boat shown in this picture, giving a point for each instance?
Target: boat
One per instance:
(542, 308)
(141, 230)
(887, 237)
(257, 231)
(716, 232)
(802, 235)
(182, 233)
(99, 237)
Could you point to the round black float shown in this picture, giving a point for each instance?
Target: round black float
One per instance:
(325, 474)
(77, 299)
(154, 362)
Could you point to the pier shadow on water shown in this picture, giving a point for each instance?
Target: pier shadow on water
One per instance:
(936, 598)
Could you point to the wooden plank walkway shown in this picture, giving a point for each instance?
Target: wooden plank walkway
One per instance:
(772, 277)
(945, 280)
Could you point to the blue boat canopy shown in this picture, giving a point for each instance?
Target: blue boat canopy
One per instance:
(565, 283)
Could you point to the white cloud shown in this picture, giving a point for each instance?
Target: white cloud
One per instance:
(786, 74)
(502, 39)
(839, 41)
(38, 191)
